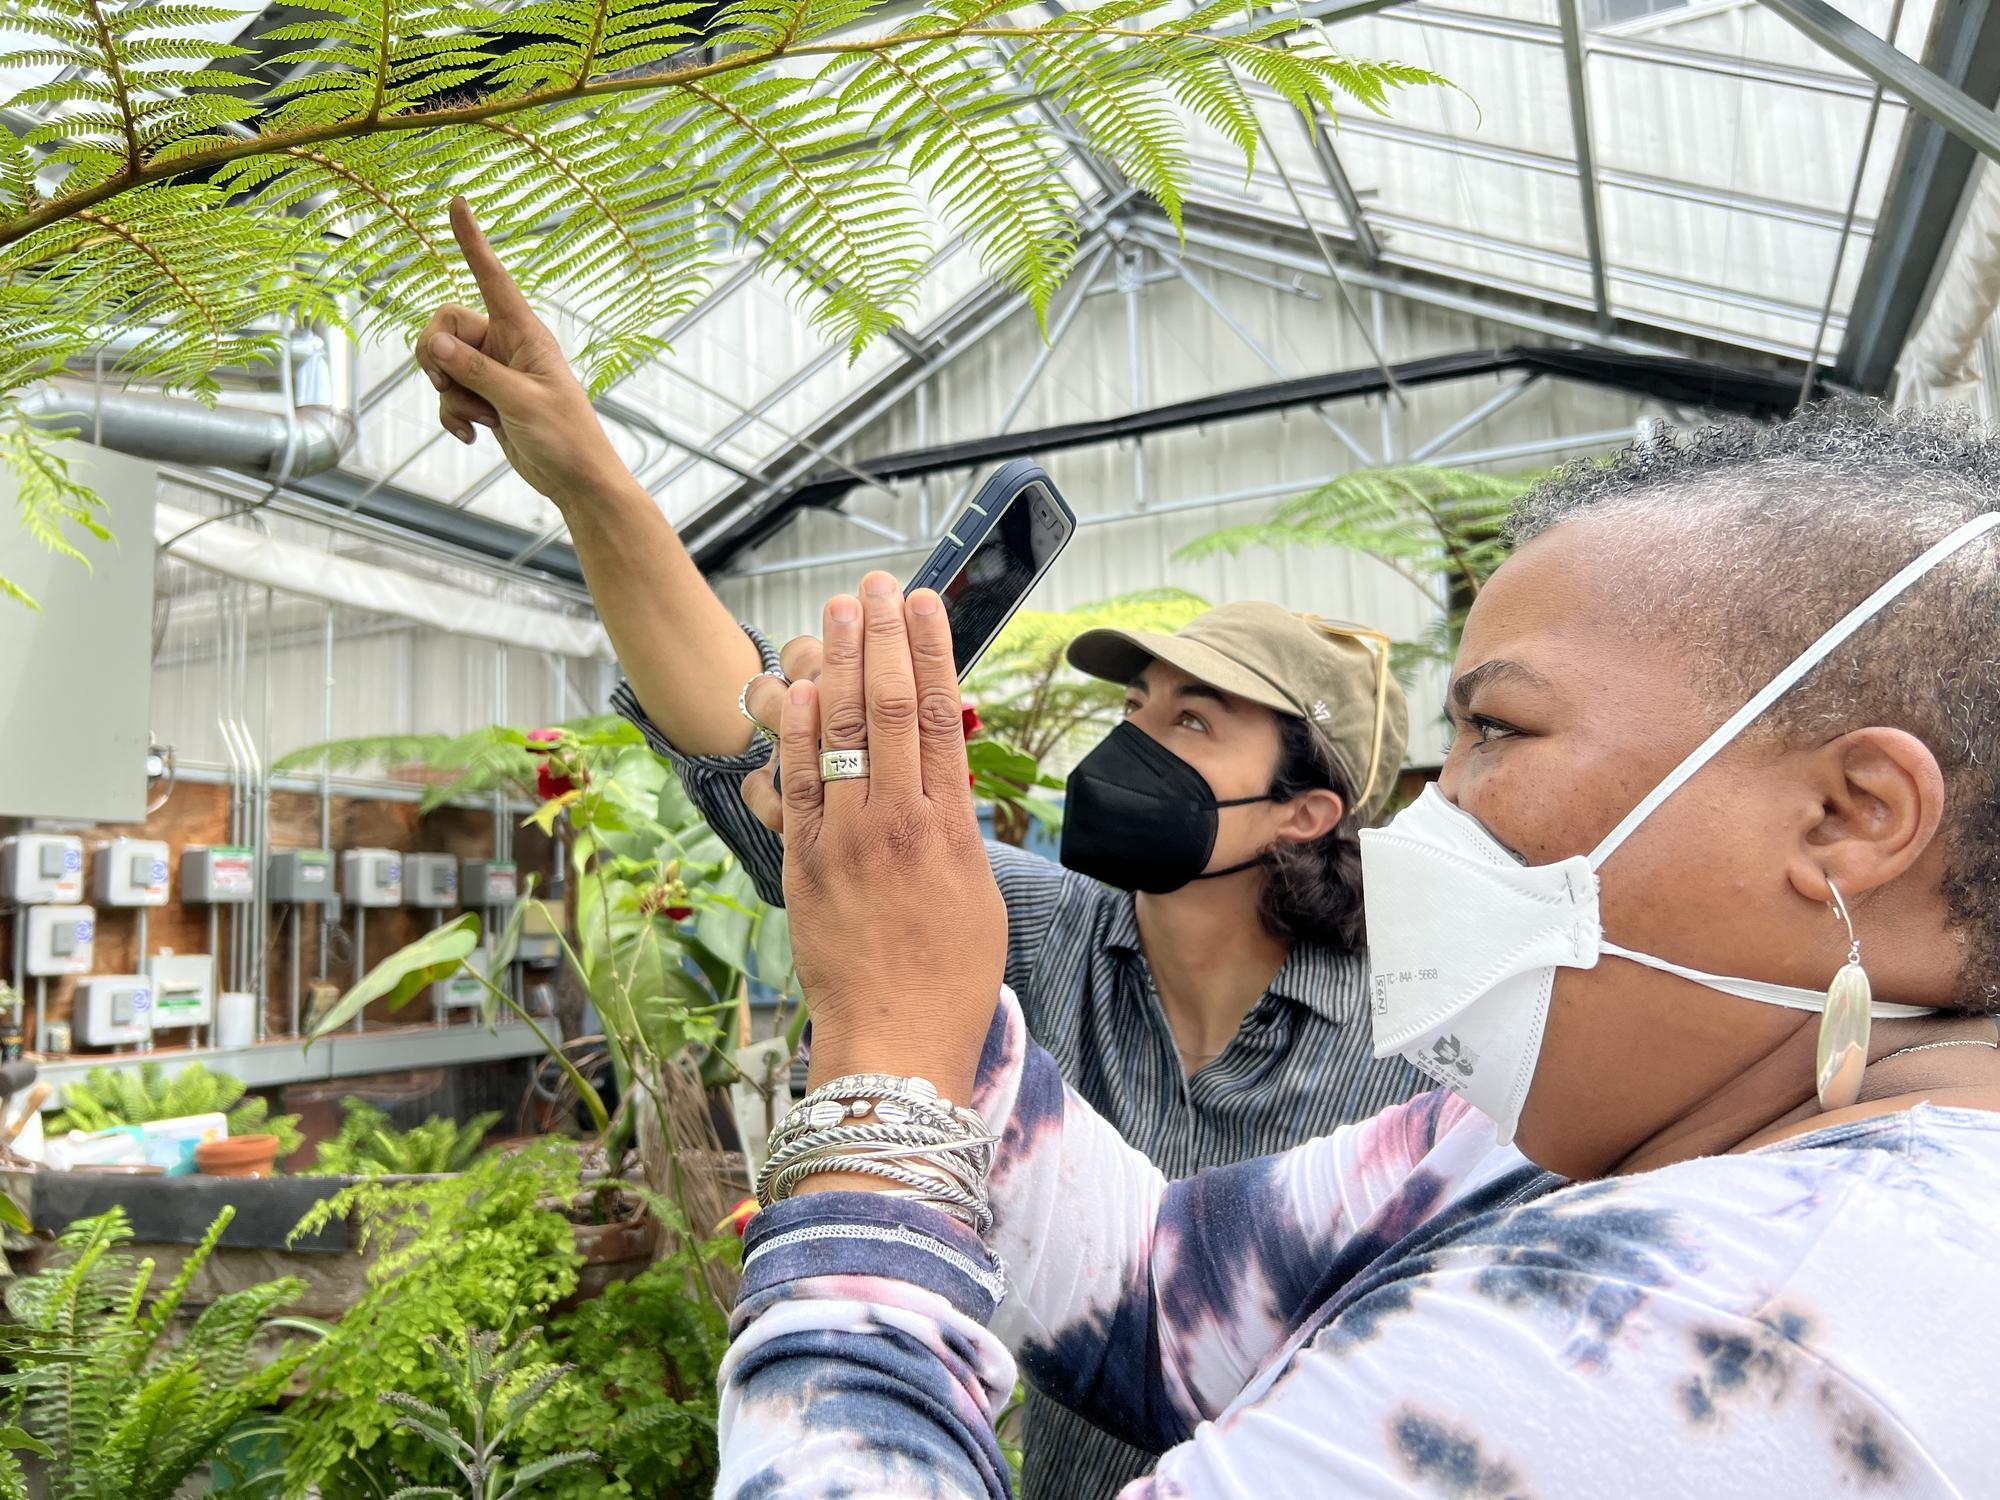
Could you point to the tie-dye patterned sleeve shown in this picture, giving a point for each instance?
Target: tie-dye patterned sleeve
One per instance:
(1146, 1305)
(862, 1356)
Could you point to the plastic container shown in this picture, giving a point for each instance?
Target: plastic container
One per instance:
(235, 1019)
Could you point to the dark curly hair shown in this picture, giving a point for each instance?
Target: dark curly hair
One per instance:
(1312, 891)
(1748, 542)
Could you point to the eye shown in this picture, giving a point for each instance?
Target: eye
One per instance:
(1132, 706)
(1191, 720)
(1484, 730)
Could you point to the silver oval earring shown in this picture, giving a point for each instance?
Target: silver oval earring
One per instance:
(1844, 1024)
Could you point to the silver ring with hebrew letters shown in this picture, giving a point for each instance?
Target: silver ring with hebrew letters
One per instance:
(743, 704)
(843, 765)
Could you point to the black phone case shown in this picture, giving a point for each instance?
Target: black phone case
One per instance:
(962, 539)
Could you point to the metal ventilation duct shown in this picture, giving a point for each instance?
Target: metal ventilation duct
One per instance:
(174, 429)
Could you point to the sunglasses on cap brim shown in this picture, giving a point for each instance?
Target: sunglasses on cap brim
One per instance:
(1377, 645)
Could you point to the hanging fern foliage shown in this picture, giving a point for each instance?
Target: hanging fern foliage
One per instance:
(214, 194)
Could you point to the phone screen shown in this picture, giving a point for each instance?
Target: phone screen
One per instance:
(988, 585)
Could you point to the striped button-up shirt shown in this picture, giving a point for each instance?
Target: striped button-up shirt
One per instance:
(1301, 1063)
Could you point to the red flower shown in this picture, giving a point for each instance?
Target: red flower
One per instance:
(550, 783)
(679, 913)
(739, 1217)
(969, 717)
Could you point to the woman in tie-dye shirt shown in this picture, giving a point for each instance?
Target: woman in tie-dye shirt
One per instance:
(1730, 1289)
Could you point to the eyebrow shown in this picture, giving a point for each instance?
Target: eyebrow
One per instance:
(1197, 690)
(1499, 669)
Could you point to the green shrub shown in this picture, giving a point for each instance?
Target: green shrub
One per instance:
(481, 1251)
(95, 1385)
(121, 1096)
(369, 1145)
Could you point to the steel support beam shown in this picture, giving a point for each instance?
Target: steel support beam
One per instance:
(1938, 95)
(1840, 248)
(1657, 379)
(1249, 341)
(1918, 219)
(1586, 158)
(1342, 187)
(1509, 453)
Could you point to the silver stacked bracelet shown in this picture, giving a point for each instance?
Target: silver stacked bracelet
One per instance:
(897, 1129)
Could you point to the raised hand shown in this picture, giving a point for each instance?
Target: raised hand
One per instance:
(502, 369)
(897, 926)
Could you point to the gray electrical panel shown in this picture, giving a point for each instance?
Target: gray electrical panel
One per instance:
(218, 876)
(77, 679)
(430, 880)
(489, 882)
(302, 877)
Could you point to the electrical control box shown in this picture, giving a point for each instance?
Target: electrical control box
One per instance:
(59, 939)
(539, 942)
(431, 880)
(41, 868)
(372, 877)
(183, 989)
(114, 1010)
(489, 882)
(130, 872)
(460, 990)
(301, 877)
(218, 876)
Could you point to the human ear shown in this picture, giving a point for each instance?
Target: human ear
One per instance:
(1310, 815)
(1881, 798)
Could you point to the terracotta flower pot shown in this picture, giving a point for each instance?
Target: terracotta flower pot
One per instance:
(617, 1251)
(238, 1156)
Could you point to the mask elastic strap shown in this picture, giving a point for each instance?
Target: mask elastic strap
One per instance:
(1762, 990)
(1248, 864)
(1812, 656)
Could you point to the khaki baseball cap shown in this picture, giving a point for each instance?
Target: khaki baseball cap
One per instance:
(1333, 675)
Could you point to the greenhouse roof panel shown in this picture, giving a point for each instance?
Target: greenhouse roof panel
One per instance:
(1726, 155)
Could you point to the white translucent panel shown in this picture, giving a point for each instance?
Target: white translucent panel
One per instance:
(1764, 139)
(1509, 89)
(1756, 258)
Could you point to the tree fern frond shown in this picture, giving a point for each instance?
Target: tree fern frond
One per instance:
(204, 191)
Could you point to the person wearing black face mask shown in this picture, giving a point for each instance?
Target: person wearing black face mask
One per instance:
(1199, 970)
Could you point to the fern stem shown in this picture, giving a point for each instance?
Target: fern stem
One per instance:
(121, 90)
(347, 174)
(140, 243)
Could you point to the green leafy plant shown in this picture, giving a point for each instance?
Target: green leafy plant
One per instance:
(647, 1356)
(99, 1389)
(369, 1145)
(1442, 530)
(488, 1249)
(215, 195)
(661, 927)
(1035, 706)
(475, 1250)
(120, 1096)
(496, 1389)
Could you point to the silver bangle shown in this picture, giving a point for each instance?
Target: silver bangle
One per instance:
(969, 1208)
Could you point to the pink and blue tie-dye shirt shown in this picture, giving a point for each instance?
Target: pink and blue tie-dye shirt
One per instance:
(1397, 1309)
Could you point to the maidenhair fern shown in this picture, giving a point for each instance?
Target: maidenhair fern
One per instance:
(212, 195)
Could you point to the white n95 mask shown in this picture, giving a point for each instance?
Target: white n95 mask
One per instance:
(1464, 940)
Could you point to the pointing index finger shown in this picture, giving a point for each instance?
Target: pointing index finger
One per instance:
(495, 284)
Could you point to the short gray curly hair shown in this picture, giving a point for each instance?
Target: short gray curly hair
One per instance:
(1793, 524)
